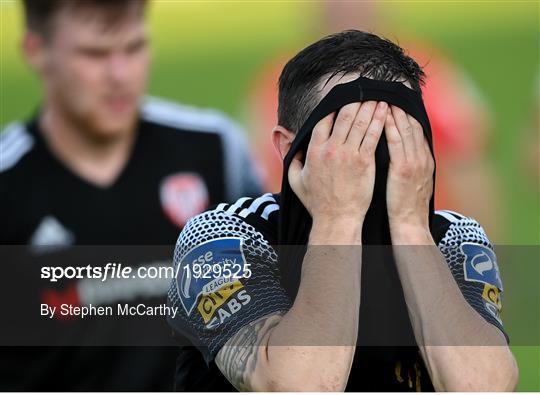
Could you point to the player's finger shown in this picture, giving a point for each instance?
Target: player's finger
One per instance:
(295, 172)
(321, 131)
(344, 122)
(361, 123)
(418, 135)
(393, 139)
(374, 130)
(406, 132)
(429, 156)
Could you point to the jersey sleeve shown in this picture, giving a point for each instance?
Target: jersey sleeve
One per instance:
(473, 263)
(226, 277)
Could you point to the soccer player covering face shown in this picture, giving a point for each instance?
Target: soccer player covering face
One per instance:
(99, 164)
(259, 338)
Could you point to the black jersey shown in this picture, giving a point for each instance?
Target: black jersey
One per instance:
(213, 309)
(183, 160)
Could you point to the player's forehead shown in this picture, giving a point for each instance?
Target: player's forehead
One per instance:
(98, 27)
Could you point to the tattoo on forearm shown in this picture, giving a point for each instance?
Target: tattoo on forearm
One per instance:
(237, 359)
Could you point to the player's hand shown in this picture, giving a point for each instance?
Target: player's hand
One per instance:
(410, 175)
(336, 182)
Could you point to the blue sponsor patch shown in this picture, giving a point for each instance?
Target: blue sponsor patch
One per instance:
(481, 265)
(209, 267)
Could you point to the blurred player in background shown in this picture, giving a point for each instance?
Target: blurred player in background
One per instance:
(98, 164)
(459, 117)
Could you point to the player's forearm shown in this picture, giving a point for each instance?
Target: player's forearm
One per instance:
(321, 328)
(435, 303)
(471, 368)
(325, 311)
(311, 346)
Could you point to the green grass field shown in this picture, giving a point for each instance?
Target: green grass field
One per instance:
(206, 53)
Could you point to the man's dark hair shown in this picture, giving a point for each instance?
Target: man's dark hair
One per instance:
(346, 52)
(39, 14)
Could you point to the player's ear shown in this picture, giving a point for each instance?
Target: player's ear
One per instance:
(282, 139)
(33, 50)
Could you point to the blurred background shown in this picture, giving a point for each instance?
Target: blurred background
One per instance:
(483, 99)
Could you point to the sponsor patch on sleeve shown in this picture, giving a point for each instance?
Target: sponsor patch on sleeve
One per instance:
(491, 294)
(492, 301)
(210, 274)
(481, 265)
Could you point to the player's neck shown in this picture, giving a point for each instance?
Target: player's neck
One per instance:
(98, 161)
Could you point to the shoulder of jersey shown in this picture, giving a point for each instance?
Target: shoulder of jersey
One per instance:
(261, 213)
(15, 142)
(450, 227)
(264, 208)
(230, 137)
(187, 118)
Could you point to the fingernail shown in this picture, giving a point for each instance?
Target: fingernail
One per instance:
(383, 105)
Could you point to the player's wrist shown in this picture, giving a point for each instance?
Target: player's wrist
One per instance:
(410, 234)
(335, 230)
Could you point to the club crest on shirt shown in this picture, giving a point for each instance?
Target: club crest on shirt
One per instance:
(182, 196)
(212, 270)
(481, 265)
